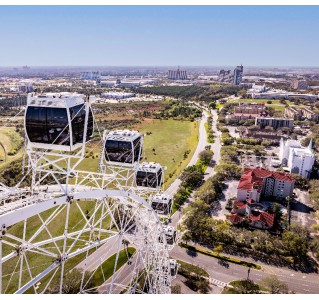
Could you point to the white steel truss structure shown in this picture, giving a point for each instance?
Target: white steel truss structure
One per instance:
(70, 222)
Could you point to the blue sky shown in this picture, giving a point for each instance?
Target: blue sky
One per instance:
(159, 35)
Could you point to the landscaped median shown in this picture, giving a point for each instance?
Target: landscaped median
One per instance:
(221, 257)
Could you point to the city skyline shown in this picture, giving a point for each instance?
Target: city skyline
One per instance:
(159, 36)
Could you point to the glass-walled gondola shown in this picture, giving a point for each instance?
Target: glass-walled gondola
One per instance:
(47, 125)
(58, 120)
(150, 176)
(123, 146)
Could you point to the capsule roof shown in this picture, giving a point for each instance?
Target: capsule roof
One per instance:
(161, 198)
(64, 99)
(169, 230)
(123, 135)
(149, 167)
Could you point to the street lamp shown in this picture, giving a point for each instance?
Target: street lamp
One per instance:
(248, 272)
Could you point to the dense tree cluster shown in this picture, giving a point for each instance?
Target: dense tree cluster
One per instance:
(173, 91)
(205, 93)
(211, 232)
(179, 110)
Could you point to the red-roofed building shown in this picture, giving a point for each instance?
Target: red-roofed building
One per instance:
(259, 182)
(262, 220)
(235, 219)
(239, 207)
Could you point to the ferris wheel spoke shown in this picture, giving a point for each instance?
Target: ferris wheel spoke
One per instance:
(14, 270)
(52, 216)
(33, 281)
(116, 260)
(30, 246)
(97, 264)
(63, 257)
(49, 233)
(50, 280)
(29, 270)
(106, 204)
(0, 266)
(87, 225)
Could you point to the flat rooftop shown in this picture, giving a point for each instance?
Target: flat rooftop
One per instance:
(123, 135)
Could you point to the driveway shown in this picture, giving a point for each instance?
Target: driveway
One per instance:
(301, 211)
(230, 192)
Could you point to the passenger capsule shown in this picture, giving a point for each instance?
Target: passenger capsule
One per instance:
(149, 174)
(173, 267)
(162, 203)
(123, 146)
(170, 234)
(58, 121)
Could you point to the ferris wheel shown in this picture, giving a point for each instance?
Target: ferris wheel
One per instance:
(76, 231)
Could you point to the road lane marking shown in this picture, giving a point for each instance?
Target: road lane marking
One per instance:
(218, 283)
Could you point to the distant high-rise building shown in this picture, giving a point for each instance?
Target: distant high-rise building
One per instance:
(238, 74)
(25, 87)
(234, 77)
(298, 84)
(90, 75)
(177, 74)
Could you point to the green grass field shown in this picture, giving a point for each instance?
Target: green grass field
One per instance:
(10, 139)
(170, 139)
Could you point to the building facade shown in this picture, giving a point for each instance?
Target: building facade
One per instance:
(298, 159)
(177, 74)
(238, 74)
(301, 114)
(298, 84)
(234, 77)
(275, 123)
(90, 76)
(260, 183)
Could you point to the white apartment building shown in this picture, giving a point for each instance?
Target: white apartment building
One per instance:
(298, 159)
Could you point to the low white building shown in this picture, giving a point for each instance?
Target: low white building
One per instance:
(298, 159)
(117, 95)
(280, 94)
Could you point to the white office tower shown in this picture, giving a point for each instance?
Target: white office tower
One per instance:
(284, 149)
(298, 159)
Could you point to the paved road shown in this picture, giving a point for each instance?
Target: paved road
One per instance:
(99, 256)
(122, 276)
(296, 281)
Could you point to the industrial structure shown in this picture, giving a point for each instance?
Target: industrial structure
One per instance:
(110, 206)
(177, 74)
